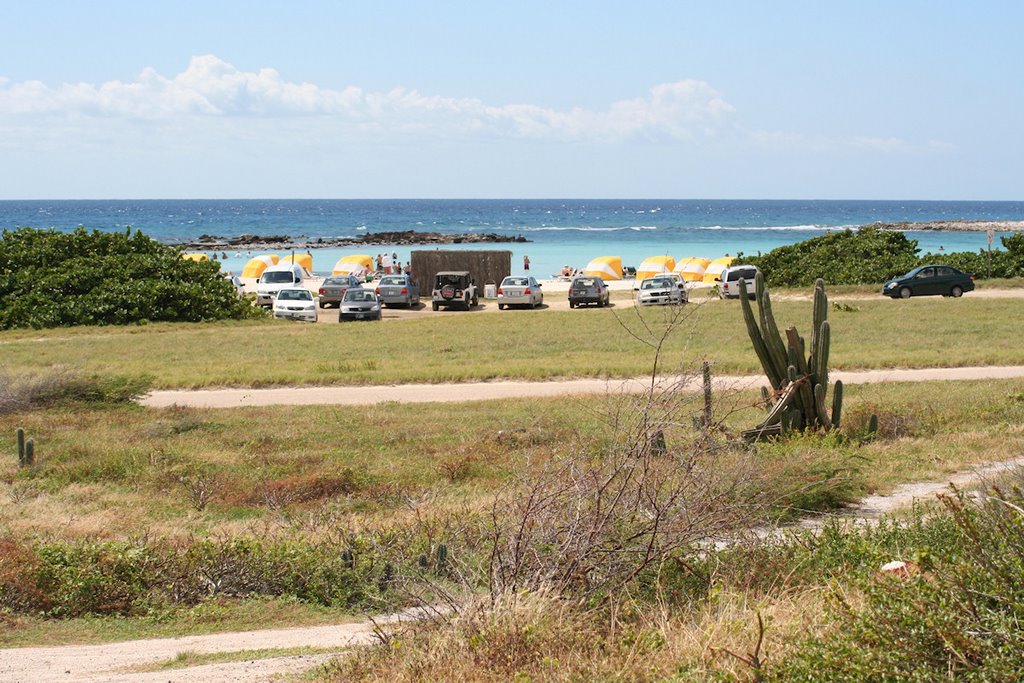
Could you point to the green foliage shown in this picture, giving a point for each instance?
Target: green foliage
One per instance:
(59, 386)
(956, 617)
(91, 577)
(847, 257)
(54, 279)
(872, 256)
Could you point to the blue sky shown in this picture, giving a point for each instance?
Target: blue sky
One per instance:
(886, 100)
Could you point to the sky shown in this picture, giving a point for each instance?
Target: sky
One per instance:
(528, 99)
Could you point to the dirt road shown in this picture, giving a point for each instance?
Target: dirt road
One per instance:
(482, 391)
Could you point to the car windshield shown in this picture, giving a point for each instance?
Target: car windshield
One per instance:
(515, 282)
(393, 280)
(294, 295)
(278, 276)
(658, 283)
(359, 295)
(746, 274)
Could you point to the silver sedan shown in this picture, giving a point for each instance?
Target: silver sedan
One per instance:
(660, 290)
(398, 290)
(520, 291)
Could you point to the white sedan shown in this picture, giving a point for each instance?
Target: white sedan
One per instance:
(295, 303)
(661, 290)
(519, 291)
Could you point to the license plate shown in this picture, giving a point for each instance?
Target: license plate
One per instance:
(360, 316)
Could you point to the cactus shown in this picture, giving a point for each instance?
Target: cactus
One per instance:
(873, 424)
(30, 453)
(21, 447)
(709, 415)
(441, 560)
(423, 562)
(348, 558)
(797, 372)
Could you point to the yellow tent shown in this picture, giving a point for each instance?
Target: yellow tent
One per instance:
(605, 267)
(196, 256)
(655, 265)
(257, 264)
(353, 264)
(304, 260)
(692, 269)
(714, 271)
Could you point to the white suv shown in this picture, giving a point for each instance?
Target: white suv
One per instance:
(730, 281)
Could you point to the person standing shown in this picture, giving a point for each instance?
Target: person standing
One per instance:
(380, 263)
(526, 262)
(387, 263)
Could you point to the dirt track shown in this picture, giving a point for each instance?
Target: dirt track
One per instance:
(482, 391)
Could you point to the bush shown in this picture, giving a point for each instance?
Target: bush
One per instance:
(872, 256)
(53, 279)
(60, 386)
(956, 617)
(849, 257)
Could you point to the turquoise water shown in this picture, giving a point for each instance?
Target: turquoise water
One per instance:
(563, 232)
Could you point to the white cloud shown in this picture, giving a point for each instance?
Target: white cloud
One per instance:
(212, 88)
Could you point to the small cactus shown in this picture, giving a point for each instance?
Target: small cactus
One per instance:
(709, 415)
(441, 560)
(30, 453)
(347, 558)
(21, 447)
(423, 562)
(873, 424)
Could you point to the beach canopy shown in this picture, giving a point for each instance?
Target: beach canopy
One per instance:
(655, 265)
(196, 256)
(714, 271)
(257, 264)
(692, 269)
(304, 260)
(605, 267)
(353, 264)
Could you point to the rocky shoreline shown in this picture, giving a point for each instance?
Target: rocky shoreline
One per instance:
(952, 226)
(401, 238)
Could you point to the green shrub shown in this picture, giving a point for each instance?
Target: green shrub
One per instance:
(52, 279)
(61, 386)
(957, 617)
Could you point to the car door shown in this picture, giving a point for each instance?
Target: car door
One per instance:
(535, 290)
(924, 282)
(945, 278)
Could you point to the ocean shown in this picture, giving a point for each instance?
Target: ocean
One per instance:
(562, 231)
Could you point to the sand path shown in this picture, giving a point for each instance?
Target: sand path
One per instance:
(504, 389)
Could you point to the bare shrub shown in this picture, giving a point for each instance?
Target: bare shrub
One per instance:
(60, 384)
(457, 468)
(277, 494)
(201, 487)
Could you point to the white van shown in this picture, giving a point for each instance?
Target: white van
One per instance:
(729, 288)
(276, 278)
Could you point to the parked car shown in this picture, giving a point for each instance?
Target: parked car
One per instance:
(454, 288)
(587, 290)
(660, 290)
(333, 289)
(398, 290)
(236, 282)
(520, 291)
(359, 304)
(929, 280)
(276, 278)
(730, 281)
(295, 303)
(676, 279)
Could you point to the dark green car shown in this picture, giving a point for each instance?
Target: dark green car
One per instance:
(929, 280)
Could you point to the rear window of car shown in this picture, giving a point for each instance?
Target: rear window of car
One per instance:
(515, 282)
(584, 282)
(392, 281)
(743, 273)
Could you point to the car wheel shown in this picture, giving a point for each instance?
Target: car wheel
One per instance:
(572, 304)
(476, 302)
(905, 292)
(434, 305)
(957, 291)
(501, 307)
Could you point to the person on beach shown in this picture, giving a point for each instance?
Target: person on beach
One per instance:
(380, 264)
(526, 262)
(398, 264)
(387, 263)
(408, 268)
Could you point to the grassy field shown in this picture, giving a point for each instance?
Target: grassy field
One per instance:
(521, 344)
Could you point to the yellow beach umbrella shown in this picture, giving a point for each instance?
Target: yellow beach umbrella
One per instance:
(196, 256)
(714, 271)
(304, 260)
(352, 264)
(605, 267)
(655, 265)
(692, 269)
(257, 264)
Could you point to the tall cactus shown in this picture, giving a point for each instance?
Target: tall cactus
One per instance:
(797, 373)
